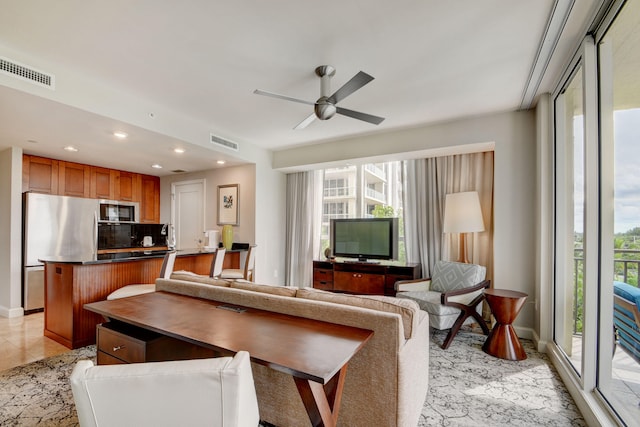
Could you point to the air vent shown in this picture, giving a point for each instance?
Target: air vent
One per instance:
(225, 143)
(178, 171)
(25, 72)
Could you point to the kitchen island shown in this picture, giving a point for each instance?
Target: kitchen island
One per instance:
(71, 283)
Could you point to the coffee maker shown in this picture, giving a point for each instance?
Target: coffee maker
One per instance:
(211, 239)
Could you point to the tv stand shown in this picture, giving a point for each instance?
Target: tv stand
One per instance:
(358, 277)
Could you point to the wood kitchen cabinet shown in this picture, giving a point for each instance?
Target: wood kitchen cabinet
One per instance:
(74, 179)
(150, 199)
(39, 174)
(362, 278)
(51, 176)
(103, 183)
(128, 187)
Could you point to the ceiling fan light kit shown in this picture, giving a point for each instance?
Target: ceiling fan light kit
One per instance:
(325, 107)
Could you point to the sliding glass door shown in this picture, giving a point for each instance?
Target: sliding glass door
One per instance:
(597, 215)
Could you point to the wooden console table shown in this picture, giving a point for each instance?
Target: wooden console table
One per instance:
(362, 277)
(272, 339)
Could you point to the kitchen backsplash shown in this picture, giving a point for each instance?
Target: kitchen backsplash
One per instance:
(119, 236)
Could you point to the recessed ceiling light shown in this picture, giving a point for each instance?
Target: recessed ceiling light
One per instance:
(156, 166)
(221, 162)
(71, 148)
(120, 135)
(178, 150)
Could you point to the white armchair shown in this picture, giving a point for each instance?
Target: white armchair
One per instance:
(452, 296)
(213, 392)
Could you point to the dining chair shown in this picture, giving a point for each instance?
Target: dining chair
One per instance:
(246, 273)
(139, 289)
(217, 262)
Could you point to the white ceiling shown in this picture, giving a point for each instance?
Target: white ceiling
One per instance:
(195, 64)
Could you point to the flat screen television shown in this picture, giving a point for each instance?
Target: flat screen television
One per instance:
(365, 238)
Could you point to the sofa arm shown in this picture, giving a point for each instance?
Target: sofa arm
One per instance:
(423, 284)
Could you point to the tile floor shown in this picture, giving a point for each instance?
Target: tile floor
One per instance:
(22, 341)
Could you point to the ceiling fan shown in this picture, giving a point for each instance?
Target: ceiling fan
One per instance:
(325, 107)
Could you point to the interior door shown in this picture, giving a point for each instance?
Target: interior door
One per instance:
(187, 213)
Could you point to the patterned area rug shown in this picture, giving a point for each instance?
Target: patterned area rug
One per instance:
(39, 394)
(467, 388)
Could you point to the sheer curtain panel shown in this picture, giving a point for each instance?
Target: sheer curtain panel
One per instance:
(427, 182)
(302, 245)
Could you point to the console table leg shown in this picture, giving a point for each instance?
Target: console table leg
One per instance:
(322, 402)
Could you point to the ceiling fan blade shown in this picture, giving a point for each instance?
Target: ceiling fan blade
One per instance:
(360, 116)
(286, 98)
(351, 86)
(306, 122)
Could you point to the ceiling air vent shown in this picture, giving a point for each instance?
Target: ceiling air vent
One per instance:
(25, 72)
(225, 143)
(178, 171)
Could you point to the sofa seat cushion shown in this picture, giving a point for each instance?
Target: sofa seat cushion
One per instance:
(132, 290)
(285, 291)
(407, 309)
(199, 278)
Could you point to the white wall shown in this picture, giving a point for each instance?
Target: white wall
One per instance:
(261, 204)
(11, 232)
(513, 136)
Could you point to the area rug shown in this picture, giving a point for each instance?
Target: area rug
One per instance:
(39, 393)
(467, 388)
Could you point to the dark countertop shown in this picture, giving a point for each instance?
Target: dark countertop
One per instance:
(126, 256)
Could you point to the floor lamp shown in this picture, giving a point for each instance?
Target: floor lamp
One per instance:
(462, 215)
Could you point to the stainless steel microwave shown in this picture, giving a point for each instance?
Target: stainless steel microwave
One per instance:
(115, 211)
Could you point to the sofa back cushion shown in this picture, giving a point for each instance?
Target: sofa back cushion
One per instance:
(198, 278)
(407, 309)
(285, 291)
(449, 276)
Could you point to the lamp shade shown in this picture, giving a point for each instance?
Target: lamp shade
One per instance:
(462, 213)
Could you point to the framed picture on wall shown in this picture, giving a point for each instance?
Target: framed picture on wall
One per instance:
(228, 198)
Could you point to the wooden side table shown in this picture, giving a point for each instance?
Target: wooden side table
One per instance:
(503, 341)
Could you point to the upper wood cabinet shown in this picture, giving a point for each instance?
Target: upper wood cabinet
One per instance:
(74, 179)
(150, 203)
(51, 176)
(39, 174)
(129, 187)
(103, 183)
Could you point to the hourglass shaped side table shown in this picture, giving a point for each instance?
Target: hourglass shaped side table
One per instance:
(503, 341)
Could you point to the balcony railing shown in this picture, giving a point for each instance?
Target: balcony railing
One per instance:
(375, 170)
(376, 195)
(625, 269)
(339, 192)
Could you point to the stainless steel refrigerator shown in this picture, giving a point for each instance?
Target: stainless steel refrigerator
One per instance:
(54, 226)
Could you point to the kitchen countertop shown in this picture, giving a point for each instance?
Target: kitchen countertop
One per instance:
(127, 256)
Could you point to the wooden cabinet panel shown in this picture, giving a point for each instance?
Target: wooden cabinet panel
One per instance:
(39, 174)
(323, 279)
(150, 199)
(358, 283)
(362, 278)
(74, 179)
(103, 183)
(128, 187)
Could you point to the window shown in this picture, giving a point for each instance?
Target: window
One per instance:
(370, 190)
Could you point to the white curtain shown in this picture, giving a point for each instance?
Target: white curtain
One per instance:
(304, 210)
(427, 182)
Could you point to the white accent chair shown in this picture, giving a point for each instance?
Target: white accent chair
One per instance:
(213, 392)
(452, 297)
(245, 273)
(217, 262)
(139, 289)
